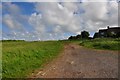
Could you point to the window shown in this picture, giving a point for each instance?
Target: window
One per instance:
(113, 33)
(102, 33)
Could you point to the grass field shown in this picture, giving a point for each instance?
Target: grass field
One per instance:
(20, 58)
(0, 60)
(104, 43)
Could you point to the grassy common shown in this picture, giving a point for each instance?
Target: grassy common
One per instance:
(103, 43)
(21, 58)
(0, 60)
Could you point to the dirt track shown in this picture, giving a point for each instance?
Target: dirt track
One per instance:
(79, 62)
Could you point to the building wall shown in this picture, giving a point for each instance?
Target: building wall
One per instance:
(106, 32)
(102, 33)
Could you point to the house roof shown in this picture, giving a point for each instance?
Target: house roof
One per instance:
(114, 28)
(102, 30)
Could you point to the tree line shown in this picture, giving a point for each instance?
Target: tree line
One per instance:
(83, 35)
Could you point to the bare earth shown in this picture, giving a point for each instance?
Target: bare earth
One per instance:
(79, 62)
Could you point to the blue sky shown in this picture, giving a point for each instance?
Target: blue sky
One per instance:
(27, 8)
(54, 21)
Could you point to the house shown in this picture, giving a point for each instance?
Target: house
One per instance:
(102, 33)
(109, 32)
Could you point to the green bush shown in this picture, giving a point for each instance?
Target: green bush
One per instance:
(103, 43)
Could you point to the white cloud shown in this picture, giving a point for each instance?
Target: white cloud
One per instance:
(12, 19)
(95, 16)
(58, 0)
(11, 8)
(36, 21)
(54, 20)
(53, 15)
(0, 13)
(0, 21)
(9, 21)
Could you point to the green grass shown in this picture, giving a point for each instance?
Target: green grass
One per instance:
(104, 43)
(19, 59)
(0, 60)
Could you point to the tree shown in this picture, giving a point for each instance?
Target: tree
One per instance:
(118, 35)
(78, 36)
(72, 37)
(85, 34)
(96, 35)
(111, 34)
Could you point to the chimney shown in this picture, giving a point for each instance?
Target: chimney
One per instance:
(108, 27)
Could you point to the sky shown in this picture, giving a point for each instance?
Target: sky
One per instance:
(55, 20)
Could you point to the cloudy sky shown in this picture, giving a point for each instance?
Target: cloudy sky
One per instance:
(30, 20)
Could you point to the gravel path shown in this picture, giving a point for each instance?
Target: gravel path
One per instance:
(79, 62)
